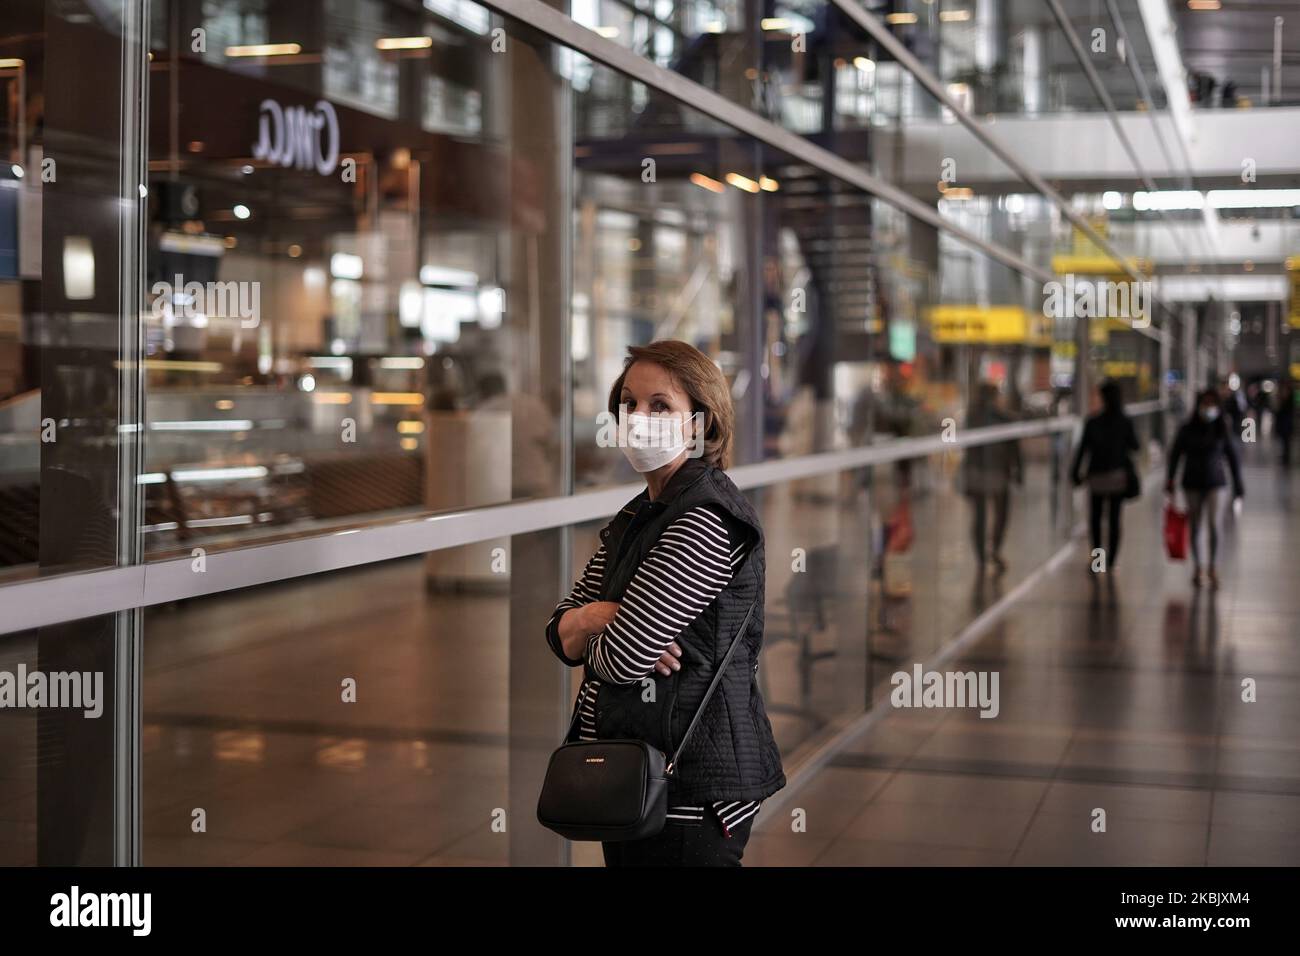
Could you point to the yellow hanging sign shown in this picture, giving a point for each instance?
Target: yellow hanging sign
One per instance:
(979, 324)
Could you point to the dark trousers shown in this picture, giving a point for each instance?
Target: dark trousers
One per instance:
(1001, 504)
(684, 845)
(1202, 509)
(1114, 505)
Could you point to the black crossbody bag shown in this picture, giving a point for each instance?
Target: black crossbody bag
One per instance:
(613, 790)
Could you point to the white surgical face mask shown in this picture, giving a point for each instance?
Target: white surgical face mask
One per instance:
(653, 440)
(1210, 414)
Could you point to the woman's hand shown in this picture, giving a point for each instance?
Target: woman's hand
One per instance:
(579, 623)
(669, 662)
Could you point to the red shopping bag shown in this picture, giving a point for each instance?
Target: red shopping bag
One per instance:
(1175, 532)
(899, 531)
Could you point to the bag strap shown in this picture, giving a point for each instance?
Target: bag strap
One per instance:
(713, 685)
(577, 710)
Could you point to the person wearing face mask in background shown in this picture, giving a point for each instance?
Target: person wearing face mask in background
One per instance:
(1202, 445)
(660, 601)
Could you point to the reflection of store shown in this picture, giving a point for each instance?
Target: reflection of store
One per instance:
(381, 209)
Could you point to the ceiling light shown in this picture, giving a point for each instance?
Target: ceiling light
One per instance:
(403, 43)
(264, 49)
(742, 182)
(712, 185)
(899, 19)
(344, 265)
(1190, 199)
(1253, 198)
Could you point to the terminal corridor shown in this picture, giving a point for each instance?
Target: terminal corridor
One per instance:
(1121, 692)
(417, 417)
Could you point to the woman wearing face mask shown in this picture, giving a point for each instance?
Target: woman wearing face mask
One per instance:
(1202, 445)
(660, 601)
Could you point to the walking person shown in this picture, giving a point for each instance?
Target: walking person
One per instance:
(1202, 445)
(1108, 439)
(1284, 419)
(660, 601)
(987, 472)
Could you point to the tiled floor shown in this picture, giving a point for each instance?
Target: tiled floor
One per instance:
(1121, 694)
(242, 717)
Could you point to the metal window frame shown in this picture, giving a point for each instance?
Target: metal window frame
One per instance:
(1108, 104)
(560, 28)
(128, 624)
(135, 584)
(73, 596)
(885, 38)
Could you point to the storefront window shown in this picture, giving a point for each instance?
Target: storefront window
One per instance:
(370, 202)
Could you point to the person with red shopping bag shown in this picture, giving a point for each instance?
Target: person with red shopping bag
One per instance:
(1202, 446)
(1175, 531)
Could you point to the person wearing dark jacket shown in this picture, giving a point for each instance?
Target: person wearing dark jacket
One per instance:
(1202, 445)
(677, 571)
(987, 473)
(1284, 419)
(1108, 438)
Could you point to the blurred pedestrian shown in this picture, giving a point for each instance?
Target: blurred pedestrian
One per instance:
(1284, 419)
(1108, 438)
(987, 473)
(1202, 445)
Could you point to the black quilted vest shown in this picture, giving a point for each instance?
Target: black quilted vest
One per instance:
(732, 755)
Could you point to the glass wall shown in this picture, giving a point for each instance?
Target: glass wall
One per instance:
(373, 203)
(387, 263)
(61, 382)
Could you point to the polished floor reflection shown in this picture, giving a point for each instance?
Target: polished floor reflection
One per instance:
(1122, 694)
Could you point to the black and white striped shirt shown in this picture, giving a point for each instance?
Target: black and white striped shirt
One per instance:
(679, 577)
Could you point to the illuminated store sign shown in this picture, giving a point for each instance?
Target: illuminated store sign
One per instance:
(294, 136)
